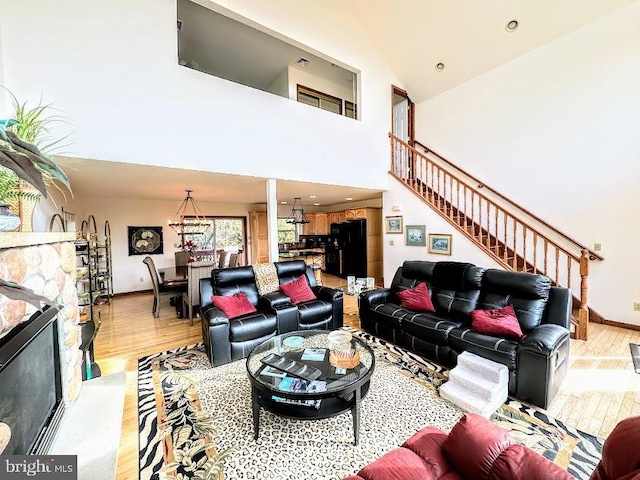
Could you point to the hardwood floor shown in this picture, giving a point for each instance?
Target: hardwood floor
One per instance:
(600, 389)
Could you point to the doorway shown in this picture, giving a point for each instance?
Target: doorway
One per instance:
(402, 126)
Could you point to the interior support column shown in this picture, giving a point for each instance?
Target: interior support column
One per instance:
(272, 219)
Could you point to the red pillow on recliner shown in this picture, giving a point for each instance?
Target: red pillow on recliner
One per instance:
(298, 290)
(233, 305)
(416, 299)
(501, 322)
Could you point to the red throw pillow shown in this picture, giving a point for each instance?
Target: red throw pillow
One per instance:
(298, 290)
(233, 305)
(501, 322)
(416, 299)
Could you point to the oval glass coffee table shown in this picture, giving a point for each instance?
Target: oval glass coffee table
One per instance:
(313, 388)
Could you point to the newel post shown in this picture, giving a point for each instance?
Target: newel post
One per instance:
(583, 312)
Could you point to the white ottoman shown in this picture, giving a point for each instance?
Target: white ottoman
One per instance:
(477, 385)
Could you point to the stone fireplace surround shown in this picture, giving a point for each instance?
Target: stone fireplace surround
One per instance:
(46, 264)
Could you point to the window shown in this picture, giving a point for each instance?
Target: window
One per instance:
(321, 100)
(220, 233)
(287, 232)
(350, 109)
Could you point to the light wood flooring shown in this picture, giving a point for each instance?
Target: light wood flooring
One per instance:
(600, 389)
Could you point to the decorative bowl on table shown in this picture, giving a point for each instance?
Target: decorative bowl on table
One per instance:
(339, 339)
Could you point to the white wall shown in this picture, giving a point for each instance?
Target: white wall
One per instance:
(556, 130)
(280, 86)
(112, 68)
(415, 212)
(122, 213)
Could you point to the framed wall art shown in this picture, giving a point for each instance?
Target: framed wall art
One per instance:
(440, 243)
(415, 235)
(145, 241)
(394, 224)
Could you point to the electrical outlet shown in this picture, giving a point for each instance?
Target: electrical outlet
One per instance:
(391, 242)
(597, 247)
(141, 279)
(636, 306)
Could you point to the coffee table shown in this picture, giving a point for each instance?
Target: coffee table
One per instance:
(344, 390)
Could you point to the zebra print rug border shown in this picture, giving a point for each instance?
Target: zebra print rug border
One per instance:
(576, 451)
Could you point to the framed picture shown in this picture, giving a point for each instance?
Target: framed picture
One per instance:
(371, 282)
(394, 224)
(415, 235)
(145, 241)
(440, 243)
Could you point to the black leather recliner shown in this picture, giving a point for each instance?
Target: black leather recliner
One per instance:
(232, 339)
(537, 362)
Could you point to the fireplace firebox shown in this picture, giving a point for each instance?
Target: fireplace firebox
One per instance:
(31, 402)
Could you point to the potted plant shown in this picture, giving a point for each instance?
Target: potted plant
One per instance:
(25, 168)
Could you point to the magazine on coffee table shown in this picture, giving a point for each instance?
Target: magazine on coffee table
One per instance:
(292, 384)
(313, 354)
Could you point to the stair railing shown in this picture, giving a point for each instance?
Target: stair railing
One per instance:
(512, 240)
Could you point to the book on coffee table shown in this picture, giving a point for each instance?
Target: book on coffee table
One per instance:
(313, 354)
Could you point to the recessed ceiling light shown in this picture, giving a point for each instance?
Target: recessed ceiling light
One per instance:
(317, 203)
(511, 25)
(349, 198)
(439, 67)
(283, 203)
(312, 196)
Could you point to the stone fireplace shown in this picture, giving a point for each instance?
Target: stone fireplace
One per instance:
(46, 264)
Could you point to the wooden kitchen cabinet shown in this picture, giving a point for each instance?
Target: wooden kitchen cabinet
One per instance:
(336, 217)
(355, 213)
(321, 224)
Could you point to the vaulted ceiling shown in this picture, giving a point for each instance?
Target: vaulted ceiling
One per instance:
(468, 36)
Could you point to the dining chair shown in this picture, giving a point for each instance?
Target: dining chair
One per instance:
(222, 259)
(233, 260)
(161, 288)
(196, 271)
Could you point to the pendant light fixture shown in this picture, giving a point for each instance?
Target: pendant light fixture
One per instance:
(189, 217)
(297, 213)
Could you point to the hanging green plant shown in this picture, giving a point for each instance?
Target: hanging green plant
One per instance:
(24, 145)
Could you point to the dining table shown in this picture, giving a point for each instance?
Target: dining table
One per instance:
(176, 275)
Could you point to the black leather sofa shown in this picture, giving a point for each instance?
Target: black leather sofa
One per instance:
(537, 362)
(231, 339)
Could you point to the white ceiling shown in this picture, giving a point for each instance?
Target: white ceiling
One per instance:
(101, 179)
(468, 36)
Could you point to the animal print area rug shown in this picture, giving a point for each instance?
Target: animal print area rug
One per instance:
(196, 422)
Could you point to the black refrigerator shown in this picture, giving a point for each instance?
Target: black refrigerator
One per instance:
(352, 242)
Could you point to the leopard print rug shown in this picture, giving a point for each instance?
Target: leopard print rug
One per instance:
(196, 422)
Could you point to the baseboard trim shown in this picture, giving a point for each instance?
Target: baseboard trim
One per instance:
(628, 326)
(125, 294)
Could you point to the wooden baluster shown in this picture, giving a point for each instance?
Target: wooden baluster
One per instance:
(546, 247)
(535, 251)
(506, 246)
(480, 219)
(451, 197)
(557, 263)
(458, 201)
(569, 271)
(524, 248)
(488, 244)
(473, 216)
(583, 313)
(515, 252)
(497, 214)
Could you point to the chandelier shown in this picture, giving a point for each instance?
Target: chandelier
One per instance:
(297, 214)
(189, 217)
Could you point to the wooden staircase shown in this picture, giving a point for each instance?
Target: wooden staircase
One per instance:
(514, 237)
